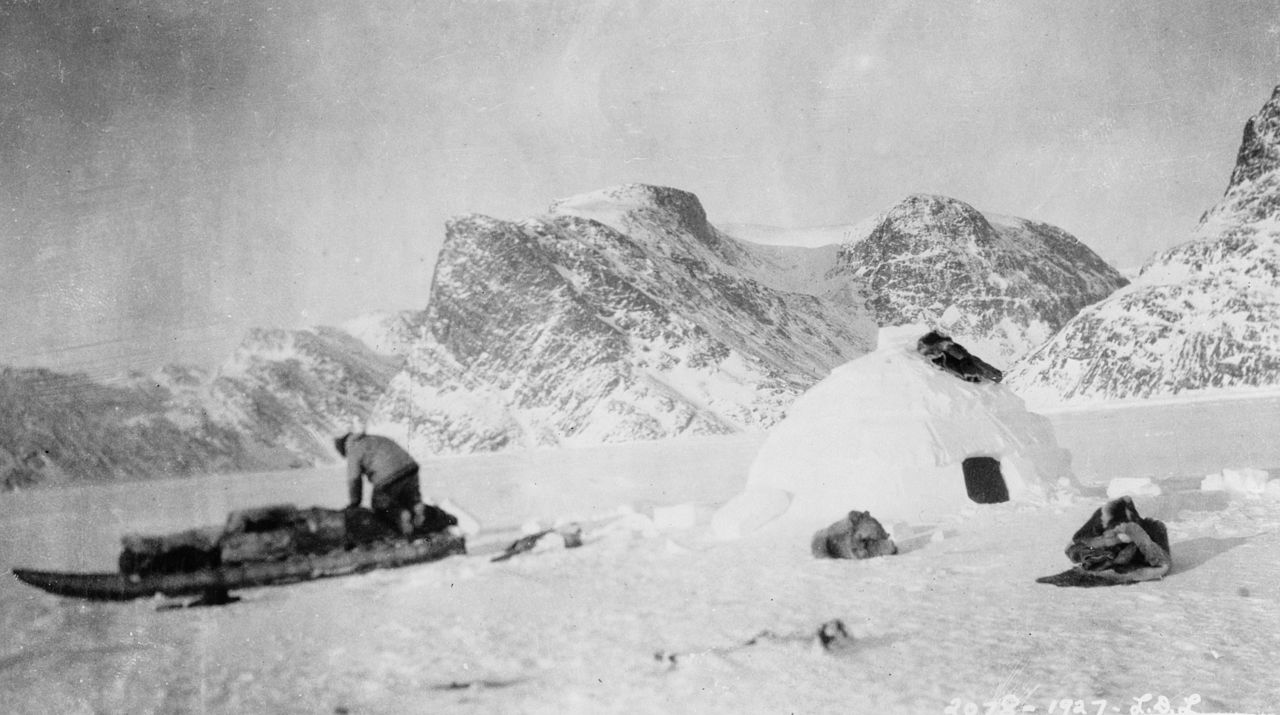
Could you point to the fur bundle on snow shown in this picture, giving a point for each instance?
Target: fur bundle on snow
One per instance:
(1116, 546)
(955, 359)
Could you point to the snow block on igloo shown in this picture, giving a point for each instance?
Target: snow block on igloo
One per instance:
(891, 434)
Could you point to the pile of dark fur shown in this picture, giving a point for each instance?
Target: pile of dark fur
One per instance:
(952, 357)
(1116, 546)
(857, 536)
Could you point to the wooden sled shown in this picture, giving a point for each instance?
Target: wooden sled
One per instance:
(121, 587)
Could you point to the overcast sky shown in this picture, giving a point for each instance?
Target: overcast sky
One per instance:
(173, 172)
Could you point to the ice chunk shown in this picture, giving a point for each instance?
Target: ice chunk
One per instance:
(680, 516)
(1273, 489)
(1132, 486)
(631, 522)
(1239, 481)
(533, 526)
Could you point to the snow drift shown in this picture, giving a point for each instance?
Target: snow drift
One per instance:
(889, 433)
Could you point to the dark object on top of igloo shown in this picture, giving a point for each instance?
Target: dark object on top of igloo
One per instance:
(951, 356)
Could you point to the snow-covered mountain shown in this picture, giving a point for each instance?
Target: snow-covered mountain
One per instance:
(57, 428)
(623, 314)
(390, 334)
(1005, 284)
(1002, 284)
(274, 403)
(1204, 314)
(619, 315)
(811, 237)
(295, 389)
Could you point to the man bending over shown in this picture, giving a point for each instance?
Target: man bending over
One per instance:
(392, 473)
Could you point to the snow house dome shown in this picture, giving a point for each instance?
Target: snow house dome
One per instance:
(891, 434)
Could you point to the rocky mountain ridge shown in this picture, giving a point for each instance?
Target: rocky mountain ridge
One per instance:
(1202, 315)
(618, 315)
(274, 404)
(624, 314)
(1002, 284)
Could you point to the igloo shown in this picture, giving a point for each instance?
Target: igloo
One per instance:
(892, 434)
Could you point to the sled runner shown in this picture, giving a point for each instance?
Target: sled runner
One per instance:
(120, 587)
(258, 547)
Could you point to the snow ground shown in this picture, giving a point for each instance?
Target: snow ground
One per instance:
(1169, 439)
(955, 619)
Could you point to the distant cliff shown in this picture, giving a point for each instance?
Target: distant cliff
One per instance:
(1204, 314)
(1009, 282)
(620, 315)
(275, 403)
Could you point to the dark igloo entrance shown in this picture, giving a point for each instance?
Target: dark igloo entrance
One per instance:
(983, 481)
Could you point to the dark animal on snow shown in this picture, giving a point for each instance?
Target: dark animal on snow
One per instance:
(857, 536)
